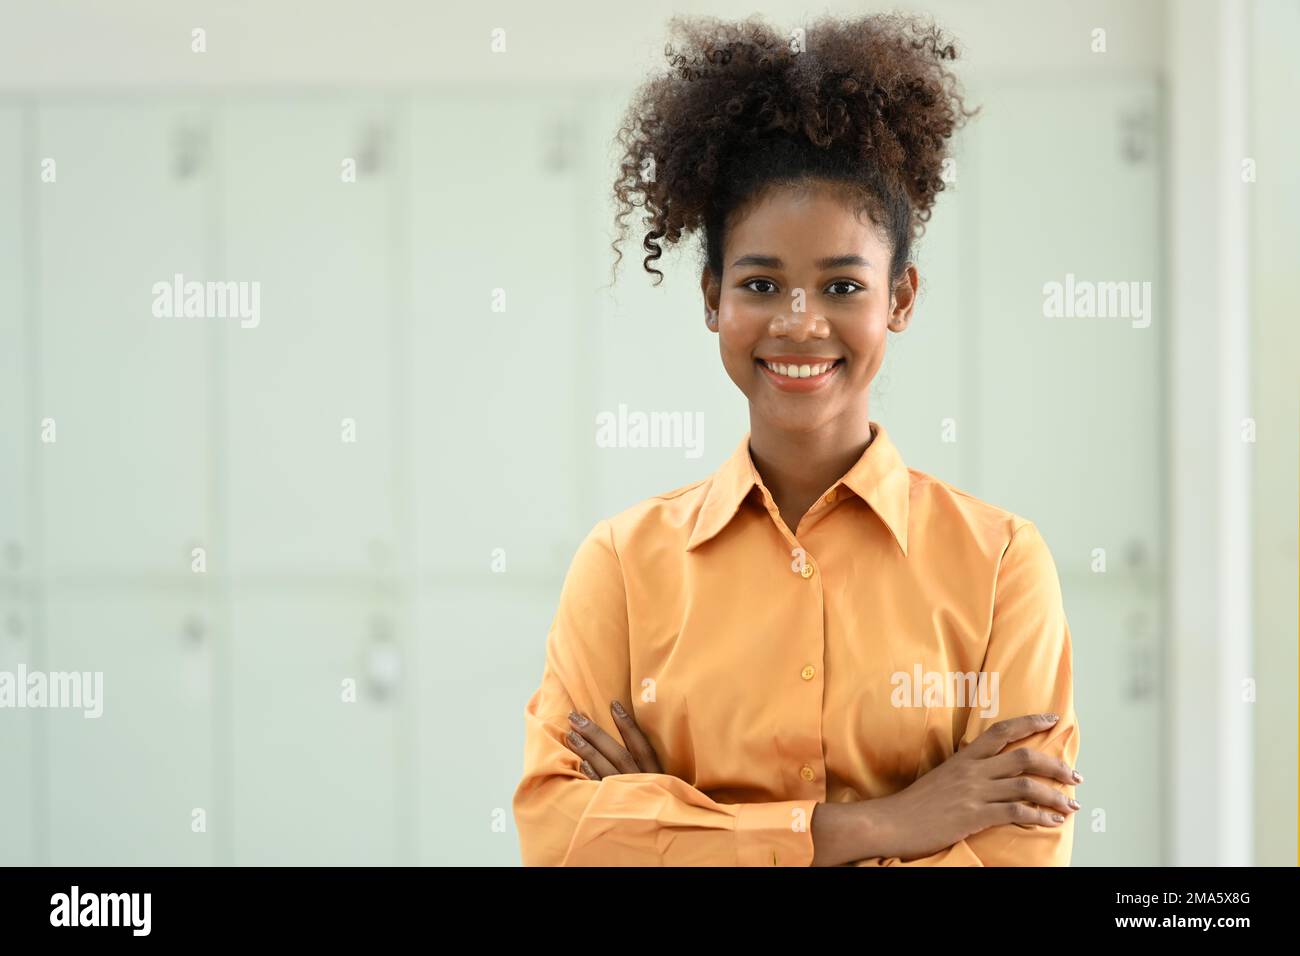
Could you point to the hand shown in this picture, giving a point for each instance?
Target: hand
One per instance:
(602, 755)
(976, 788)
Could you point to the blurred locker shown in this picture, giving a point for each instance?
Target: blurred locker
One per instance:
(318, 676)
(19, 739)
(18, 182)
(120, 207)
(500, 357)
(1070, 407)
(134, 785)
(307, 224)
(123, 397)
(504, 354)
(1118, 702)
(309, 218)
(482, 648)
(18, 838)
(1070, 428)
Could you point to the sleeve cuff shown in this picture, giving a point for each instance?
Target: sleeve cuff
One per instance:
(775, 834)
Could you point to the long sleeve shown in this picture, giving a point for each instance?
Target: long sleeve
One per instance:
(1029, 650)
(642, 819)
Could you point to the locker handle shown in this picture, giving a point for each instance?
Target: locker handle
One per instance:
(383, 661)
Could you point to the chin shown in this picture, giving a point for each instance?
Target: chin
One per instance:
(808, 421)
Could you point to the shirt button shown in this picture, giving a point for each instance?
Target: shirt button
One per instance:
(830, 496)
(808, 672)
(806, 570)
(807, 773)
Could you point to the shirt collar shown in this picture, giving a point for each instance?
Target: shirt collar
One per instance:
(879, 478)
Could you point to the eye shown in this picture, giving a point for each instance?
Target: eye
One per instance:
(854, 287)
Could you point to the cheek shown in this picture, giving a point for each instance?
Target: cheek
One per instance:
(864, 333)
(865, 343)
(739, 332)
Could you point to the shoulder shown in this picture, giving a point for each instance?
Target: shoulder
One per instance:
(942, 508)
(1007, 548)
(667, 517)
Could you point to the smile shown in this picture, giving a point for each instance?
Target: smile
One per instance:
(806, 377)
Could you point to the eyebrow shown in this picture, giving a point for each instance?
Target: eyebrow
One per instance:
(774, 262)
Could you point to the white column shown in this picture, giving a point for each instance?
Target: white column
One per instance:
(1210, 762)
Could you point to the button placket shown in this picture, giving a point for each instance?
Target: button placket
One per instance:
(806, 569)
(808, 771)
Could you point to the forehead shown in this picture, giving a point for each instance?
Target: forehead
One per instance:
(803, 222)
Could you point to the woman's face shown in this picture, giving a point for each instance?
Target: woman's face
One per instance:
(805, 283)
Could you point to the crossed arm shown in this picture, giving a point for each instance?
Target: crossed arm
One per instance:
(604, 813)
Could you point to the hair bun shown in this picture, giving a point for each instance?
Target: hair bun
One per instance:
(866, 100)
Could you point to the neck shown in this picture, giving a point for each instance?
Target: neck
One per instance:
(798, 466)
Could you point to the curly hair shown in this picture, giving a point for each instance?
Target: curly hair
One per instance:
(866, 103)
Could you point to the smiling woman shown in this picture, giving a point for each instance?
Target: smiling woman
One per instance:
(719, 686)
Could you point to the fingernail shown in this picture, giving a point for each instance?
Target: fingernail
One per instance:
(575, 738)
(1074, 804)
(577, 719)
(1058, 818)
(1078, 777)
(618, 709)
(1052, 718)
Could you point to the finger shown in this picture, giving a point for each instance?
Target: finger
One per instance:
(1023, 814)
(1006, 732)
(588, 770)
(1023, 760)
(1033, 791)
(611, 749)
(580, 746)
(642, 752)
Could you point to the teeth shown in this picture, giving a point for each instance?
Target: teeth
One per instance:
(799, 371)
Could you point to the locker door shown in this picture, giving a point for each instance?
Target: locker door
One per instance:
(498, 421)
(310, 417)
(135, 785)
(1070, 426)
(1069, 409)
(17, 425)
(18, 737)
(315, 764)
(18, 433)
(309, 214)
(126, 484)
(481, 651)
(1117, 698)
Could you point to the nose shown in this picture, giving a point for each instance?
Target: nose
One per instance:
(799, 326)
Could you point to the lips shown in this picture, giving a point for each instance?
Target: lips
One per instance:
(799, 382)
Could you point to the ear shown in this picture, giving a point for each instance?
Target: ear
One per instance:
(712, 291)
(711, 288)
(903, 299)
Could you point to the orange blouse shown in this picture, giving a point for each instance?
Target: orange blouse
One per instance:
(773, 670)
